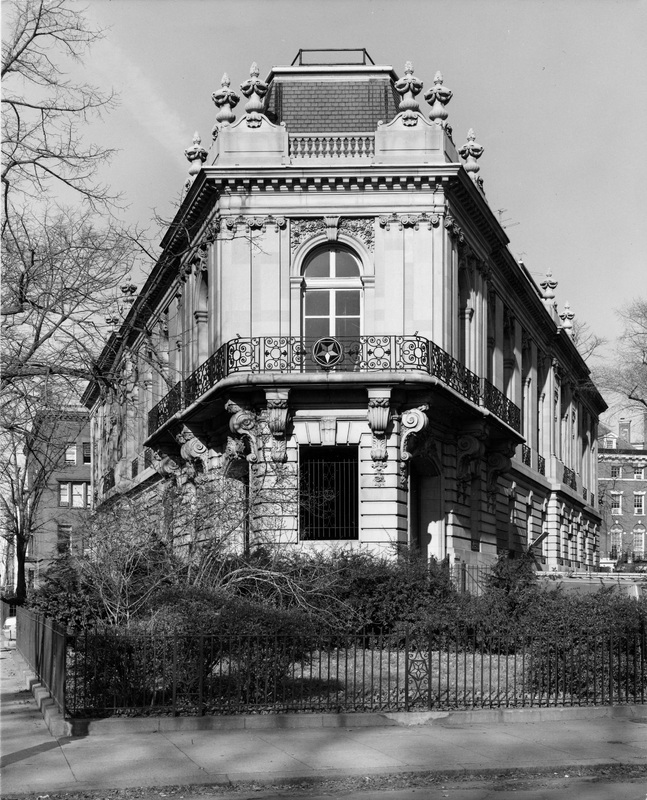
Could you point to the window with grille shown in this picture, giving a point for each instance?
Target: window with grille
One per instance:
(615, 471)
(639, 473)
(328, 493)
(639, 504)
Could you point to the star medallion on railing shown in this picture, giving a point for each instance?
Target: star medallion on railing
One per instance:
(327, 352)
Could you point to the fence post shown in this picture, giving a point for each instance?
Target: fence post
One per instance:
(175, 674)
(611, 668)
(406, 669)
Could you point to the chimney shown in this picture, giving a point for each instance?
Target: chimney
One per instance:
(624, 429)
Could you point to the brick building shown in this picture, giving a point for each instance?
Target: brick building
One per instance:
(623, 492)
(338, 338)
(61, 466)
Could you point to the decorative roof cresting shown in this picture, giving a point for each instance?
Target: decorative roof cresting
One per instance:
(471, 151)
(438, 97)
(255, 89)
(408, 87)
(225, 100)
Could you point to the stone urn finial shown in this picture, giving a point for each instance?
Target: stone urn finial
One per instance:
(255, 90)
(408, 87)
(225, 100)
(548, 286)
(471, 151)
(196, 154)
(438, 97)
(567, 317)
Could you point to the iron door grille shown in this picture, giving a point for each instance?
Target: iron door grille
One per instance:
(328, 493)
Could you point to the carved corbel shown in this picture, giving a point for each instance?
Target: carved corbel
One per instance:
(498, 463)
(378, 420)
(243, 425)
(471, 448)
(167, 467)
(412, 422)
(192, 451)
(278, 414)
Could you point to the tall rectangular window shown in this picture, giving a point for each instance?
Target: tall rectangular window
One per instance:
(616, 503)
(328, 493)
(87, 453)
(70, 454)
(639, 504)
(64, 537)
(64, 494)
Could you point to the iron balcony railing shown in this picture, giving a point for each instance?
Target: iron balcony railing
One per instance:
(292, 354)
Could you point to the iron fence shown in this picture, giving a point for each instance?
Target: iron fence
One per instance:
(112, 673)
(43, 645)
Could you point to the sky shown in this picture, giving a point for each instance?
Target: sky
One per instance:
(554, 90)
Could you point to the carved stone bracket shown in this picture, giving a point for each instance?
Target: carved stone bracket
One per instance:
(278, 414)
(409, 221)
(243, 425)
(498, 463)
(167, 467)
(379, 414)
(412, 422)
(471, 448)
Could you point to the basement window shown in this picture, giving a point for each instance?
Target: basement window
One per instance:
(328, 493)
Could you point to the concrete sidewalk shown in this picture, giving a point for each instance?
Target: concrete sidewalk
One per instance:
(35, 761)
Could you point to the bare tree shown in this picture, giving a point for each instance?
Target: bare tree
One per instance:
(587, 342)
(42, 149)
(62, 265)
(627, 376)
(33, 437)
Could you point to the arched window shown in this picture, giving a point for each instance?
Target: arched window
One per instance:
(332, 294)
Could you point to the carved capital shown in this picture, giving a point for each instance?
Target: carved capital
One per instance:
(409, 220)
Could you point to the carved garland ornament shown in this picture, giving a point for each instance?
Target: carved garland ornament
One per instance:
(361, 228)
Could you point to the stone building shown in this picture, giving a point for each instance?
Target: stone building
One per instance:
(623, 492)
(337, 337)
